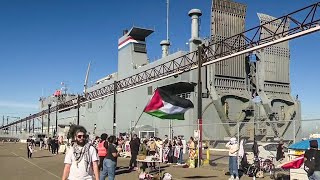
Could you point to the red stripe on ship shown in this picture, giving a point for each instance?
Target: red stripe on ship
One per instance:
(155, 103)
(129, 38)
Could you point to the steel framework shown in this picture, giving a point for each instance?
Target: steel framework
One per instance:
(302, 22)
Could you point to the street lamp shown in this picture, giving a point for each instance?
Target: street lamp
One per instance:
(29, 128)
(49, 106)
(57, 108)
(94, 130)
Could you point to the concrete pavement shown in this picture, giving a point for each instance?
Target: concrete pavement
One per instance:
(16, 166)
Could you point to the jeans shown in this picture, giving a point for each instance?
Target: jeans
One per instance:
(315, 176)
(133, 160)
(109, 169)
(233, 166)
(101, 158)
(180, 156)
(29, 153)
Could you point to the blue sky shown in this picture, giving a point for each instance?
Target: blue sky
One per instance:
(46, 42)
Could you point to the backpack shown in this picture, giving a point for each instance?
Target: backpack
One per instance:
(153, 146)
(310, 164)
(142, 149)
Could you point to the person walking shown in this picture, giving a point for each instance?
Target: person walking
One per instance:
(45, 142)
(102, 149)
(233, 147)
(134, 148)
(192, 153)
(53, 146)
(81, 160)
(280, 151)
(49, 144)
(29, 148)
(41, 143)
(110, 162)
(312, 161)
(152, 150)
(179, 149)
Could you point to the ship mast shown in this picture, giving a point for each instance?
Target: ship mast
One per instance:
(165, 43)
(167, 20)
(86, 79)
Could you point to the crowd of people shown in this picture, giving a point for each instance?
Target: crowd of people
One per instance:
(88, 158)
(97, 158)
(50, 144)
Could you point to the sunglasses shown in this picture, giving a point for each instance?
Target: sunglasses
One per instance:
(81, 136)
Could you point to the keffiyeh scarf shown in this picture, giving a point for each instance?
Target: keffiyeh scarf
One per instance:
(82, 153)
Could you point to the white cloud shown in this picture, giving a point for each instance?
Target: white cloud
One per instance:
(12, 104)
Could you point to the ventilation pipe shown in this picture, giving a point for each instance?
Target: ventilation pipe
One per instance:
(165, 47)
(195, 40)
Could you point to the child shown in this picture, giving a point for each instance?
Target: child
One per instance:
(30, 149)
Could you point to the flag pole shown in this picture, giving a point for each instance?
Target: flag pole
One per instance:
(132, 128)
(199, 106)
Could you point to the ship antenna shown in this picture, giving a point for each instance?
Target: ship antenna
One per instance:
(86, 79)
(167, 20)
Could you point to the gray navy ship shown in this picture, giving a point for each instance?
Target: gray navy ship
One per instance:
(242, 96)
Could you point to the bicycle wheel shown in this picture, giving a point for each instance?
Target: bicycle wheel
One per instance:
(272, 171)
(260, 174)
(266, 166)
(252, 170)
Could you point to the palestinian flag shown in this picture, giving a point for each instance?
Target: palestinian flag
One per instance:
(293, 164)
(166, 106)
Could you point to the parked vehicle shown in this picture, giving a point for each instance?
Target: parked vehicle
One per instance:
(38, 137)
(266, 151)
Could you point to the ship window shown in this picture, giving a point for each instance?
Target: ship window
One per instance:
(140, 48)
(150, 90)
(89, 105)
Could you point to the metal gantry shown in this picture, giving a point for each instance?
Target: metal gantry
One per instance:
(302, 22)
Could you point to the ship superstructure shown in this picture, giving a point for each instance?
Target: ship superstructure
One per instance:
(242, 97)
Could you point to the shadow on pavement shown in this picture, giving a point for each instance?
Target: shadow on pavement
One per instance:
(212, 163)
(199, 177)
(221, 157)
(8, 156)
(123, 171)
(41, 157)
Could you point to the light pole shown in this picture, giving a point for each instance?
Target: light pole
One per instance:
(29, 127)
(12, 127)
(42, 123)
(94, 129)
(57, 108)
(7, 124)
(78, 110)
(200, 48)
(49, 106)
(33, 125)
(114, 108)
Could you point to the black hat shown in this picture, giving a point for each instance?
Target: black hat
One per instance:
(314, 144)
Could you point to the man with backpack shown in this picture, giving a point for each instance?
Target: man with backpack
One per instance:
(312, 161)
(102, 149)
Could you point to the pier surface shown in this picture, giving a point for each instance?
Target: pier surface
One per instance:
(16, 166)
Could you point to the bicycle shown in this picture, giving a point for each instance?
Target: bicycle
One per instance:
(261, 166)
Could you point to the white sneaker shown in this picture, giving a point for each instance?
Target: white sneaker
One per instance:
(237, 178)
(231, 178)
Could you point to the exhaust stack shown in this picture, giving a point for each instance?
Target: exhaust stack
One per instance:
(195, 40)
(165, 47)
